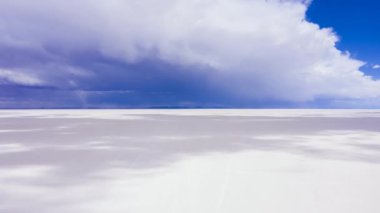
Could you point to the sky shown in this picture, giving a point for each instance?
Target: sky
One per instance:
(189, 53)
(356, 23)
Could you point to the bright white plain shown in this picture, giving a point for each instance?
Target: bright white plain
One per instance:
(204, 161)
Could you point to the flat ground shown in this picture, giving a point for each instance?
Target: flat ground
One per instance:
(190, 161)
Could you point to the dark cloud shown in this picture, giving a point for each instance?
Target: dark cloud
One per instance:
(174, 53)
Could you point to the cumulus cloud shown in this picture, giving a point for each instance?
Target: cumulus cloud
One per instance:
(256, 50)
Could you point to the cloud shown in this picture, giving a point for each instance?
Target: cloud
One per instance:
(17, 77)
(243, 51)
(376, 66)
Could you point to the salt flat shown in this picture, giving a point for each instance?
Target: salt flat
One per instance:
(189, 161)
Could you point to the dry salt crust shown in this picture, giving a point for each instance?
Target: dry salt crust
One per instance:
(204, 161)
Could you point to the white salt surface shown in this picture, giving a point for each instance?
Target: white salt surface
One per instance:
(203, 161)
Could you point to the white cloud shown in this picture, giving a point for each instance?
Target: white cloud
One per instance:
(18, 77)
(376, 66)
(258, 49)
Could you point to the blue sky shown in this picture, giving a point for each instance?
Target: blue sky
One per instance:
(358, 25)
(181, 53)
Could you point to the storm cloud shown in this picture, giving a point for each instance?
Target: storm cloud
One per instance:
(172, 53)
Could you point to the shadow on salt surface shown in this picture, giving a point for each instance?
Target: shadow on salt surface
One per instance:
(76, 159)
(80, 148)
